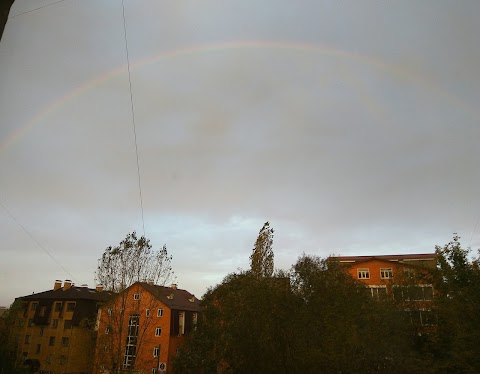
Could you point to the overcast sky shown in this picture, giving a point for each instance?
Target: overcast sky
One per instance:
(352, 126)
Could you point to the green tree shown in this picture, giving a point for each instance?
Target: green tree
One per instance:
(261, 259)
(341, 329)
(246, 328)
(456, 344)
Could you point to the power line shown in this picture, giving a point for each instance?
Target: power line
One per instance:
(37, 242)
(133, 114)
(33, 10)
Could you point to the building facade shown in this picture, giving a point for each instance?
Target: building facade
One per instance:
(405, 278)
(141, 329)
(56, 328)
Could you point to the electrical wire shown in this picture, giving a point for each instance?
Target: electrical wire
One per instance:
(133, 115)
(33, 10)
(37, 242)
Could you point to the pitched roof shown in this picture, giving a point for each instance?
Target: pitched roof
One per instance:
(73, 293)
(181, 300)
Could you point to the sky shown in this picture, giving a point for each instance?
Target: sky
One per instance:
(351, 126)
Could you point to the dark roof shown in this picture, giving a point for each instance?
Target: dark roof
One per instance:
(73, 293)
(400, 258)
(179, 301)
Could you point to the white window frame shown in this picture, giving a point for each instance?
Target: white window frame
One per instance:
(107, 330)
(386, 273)
(156, 351)
(363, 273)
(136, 296)
(160, 312)
(147, 312)
(158, 331)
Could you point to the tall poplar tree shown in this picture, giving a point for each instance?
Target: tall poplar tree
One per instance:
(261, 259)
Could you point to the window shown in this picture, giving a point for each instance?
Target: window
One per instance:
(413, 293)
(58, 306)
(154, 371)
(160, 312)
(41, 331)
(51, 341)
(34, 305)
(379, 293)
(70, 307)
(105, 348)
(386, 273)
(147, 313)
(158, 331)
(43, 309)
(27, 339)
(107, 329)
(38, 348)
(156, 351)
(55, 323)
(63, 360)
(109, 311)
(363, 273)
(65, 341)
(49, 359)
(67, 324)
(136, 296)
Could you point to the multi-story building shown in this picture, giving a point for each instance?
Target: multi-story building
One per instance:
(405, 278)
(142, 328)
(56, 330)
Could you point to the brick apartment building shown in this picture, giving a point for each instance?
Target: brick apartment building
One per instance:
(142, 328)
(55, 328)
(405, 278)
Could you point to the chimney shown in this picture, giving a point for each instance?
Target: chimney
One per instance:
(57, 285)
(174, 286)
(99, 288)
(67, 284)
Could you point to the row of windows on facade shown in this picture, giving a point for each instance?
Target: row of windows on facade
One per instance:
(70, 307)
(62, 359)
(51, 341)
(158, 330)
(385, 273)
(147, 312)
(407, 293)
(67, 324)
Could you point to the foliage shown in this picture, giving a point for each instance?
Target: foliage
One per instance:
(261, 259)
(246, 327)
(456, 346)
(9, 330)
(133, 260)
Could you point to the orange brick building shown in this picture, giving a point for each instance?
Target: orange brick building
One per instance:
(142, 327)
(405, 278)
(56, 329)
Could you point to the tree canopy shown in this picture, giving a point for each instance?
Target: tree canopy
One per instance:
(133, 260)
(261, 259)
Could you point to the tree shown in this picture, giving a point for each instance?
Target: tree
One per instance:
(455, 345)
(246, 328)
(119, 269)
(261, 259)
(133, 260)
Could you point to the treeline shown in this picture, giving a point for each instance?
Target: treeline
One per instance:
(317, 319)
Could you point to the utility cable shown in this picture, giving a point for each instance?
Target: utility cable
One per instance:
(33, 10)
(37, 242)
(133, 115)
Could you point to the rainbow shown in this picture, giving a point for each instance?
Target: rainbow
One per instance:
(392, 69)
